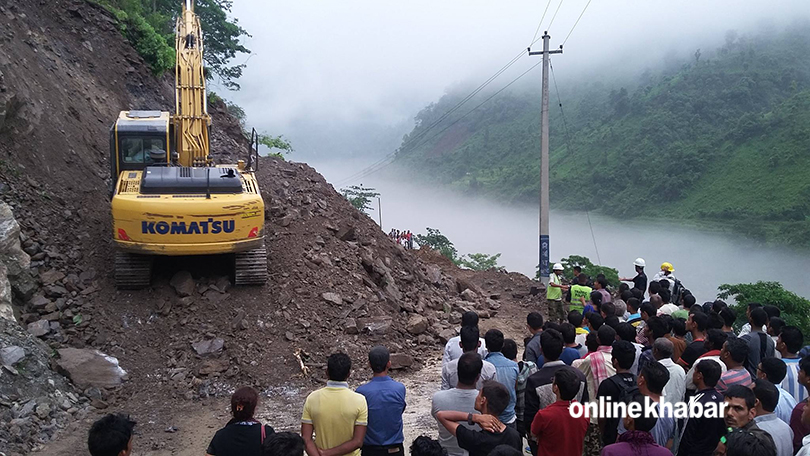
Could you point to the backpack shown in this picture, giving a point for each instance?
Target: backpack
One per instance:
(677, 293)
(626, 392)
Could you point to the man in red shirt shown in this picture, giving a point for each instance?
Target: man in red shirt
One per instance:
(557, 432)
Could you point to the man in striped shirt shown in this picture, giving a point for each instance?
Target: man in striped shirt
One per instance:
(788, 344)
(733, 355)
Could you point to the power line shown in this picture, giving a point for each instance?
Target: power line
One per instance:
(555, 14)
(388, 159)
(482, 103)
(588, 213)
(568, 143)
(534, 38)
(559, 101)
(577, 22)
(435, 123)
(369, 171)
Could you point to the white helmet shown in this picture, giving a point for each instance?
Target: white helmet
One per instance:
(640, 262)
(557, 267)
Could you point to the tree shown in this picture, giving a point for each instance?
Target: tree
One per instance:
(439, 242)
(795, 309)
(359, 196)
(149, 26)
(222, 40)
(480, 261)
(281, 144)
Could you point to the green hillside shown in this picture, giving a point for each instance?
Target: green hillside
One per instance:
(723, 138)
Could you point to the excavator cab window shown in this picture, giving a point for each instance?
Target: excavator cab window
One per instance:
(143, 150)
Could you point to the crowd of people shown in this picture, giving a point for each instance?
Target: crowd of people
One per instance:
(634, 345)
(403, 238)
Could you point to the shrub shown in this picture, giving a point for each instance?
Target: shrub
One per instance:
(795, 309)
(439, 242)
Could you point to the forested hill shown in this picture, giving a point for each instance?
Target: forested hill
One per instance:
(724, 137)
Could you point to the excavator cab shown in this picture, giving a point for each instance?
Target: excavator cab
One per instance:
(139, 139)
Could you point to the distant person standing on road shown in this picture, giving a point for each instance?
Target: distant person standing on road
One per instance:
(640, 280)
(386, 403)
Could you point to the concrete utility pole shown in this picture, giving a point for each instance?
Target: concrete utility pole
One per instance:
(544, 238)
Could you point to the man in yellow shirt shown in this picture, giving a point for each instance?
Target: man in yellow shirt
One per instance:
(336, 414)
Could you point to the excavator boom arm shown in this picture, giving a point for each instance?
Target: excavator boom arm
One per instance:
(191, 119)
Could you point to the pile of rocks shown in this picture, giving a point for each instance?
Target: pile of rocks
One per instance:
(35, 402)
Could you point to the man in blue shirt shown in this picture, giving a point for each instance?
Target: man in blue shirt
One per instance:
(386, 403)
(506, 374)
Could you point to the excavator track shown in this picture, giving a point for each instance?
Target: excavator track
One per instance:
(132, 271)
(251, 267)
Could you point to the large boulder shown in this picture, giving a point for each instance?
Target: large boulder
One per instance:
(11, 355)
(207, 347)
(6, 309)
(417, 324)
(39, 328)
(463, 284)
(434, 274)
(183, 283)
(86, 368)
(17, 262)
(332, 298)
(469, 295)
(401, 360)
(377, 325)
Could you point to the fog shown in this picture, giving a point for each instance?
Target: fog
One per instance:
(703, 259)
(346, 78)
(343, 81)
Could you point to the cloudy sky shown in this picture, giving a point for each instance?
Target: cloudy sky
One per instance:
(342, 77)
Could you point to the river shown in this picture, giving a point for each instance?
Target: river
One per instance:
(703, 259)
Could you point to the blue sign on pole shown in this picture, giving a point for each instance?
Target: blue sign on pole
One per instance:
(544, 255)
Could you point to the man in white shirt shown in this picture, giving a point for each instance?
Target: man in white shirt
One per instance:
(469, 344)
(746, 328)
(774, 370)
(767, 398)
(675, 389)
(452, 350)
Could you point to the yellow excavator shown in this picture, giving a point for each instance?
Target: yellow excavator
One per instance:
(168, 196)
